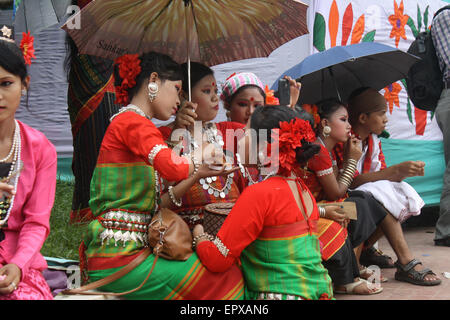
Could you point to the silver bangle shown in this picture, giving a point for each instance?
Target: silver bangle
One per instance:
(322, 211)
(173, 199)
(196, 164)
(204, 235)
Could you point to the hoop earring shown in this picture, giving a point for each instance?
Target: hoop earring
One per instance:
(326, 131)
(152, 90)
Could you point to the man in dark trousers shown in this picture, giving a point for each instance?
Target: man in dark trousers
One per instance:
(440, 33)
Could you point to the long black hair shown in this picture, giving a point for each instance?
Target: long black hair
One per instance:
(11, 59)
(269, 117)
(162, 64)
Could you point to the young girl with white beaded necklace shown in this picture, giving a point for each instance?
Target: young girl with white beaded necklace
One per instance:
(27, 181)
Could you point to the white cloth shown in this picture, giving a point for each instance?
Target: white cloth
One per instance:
(399, 198)
(375, 164)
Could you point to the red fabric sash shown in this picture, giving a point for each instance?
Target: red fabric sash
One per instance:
(368, 158)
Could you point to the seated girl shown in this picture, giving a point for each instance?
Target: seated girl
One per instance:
(126, 190)
(322, 177)
(27, 183)
(194, 125)
(276, 237)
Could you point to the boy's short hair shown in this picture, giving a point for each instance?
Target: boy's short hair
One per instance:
(364, 100)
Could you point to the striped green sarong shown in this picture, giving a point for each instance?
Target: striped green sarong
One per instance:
(287, 260)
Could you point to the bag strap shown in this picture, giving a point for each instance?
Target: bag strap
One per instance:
(441, 9)
(115, 276)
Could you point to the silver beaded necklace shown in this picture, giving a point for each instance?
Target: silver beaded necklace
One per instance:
(130, 107)
(213, 137)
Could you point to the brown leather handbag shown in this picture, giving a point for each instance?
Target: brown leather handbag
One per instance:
(170, 238)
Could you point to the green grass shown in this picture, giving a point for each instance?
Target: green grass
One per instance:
(64, 238)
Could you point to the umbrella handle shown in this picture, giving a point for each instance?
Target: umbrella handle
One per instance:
(334, 82)
(188, 54)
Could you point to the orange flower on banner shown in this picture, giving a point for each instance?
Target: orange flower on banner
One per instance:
(270, 98)
(391, 95)
(398, 21)
(27, 47)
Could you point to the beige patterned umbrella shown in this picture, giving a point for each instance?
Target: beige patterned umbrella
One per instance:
(210, 31)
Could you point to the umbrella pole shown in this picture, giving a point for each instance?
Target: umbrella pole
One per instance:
(187, 48)
(334, 82)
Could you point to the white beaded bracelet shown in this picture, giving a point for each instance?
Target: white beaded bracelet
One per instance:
(173, 199)
(204, 235)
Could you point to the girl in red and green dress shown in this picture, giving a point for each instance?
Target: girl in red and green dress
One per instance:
(126, 185)
(195, 119)
(275, 238)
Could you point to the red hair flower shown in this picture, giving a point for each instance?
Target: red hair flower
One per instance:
(27, 47)
(129, 69)
(312, 110)
(270, 98)
(289, 137)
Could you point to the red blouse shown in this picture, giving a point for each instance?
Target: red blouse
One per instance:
(139, 136)
(275, 206)
(319, 165)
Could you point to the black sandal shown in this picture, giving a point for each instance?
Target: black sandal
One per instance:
(372, 256)
(407, 273)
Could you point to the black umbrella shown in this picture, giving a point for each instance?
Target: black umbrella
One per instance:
(337, 72)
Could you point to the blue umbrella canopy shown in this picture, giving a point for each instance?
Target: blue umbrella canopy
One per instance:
(337, 72)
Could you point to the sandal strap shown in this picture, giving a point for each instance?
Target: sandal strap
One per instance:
(350, 287)
(425, 272)
(407, 267)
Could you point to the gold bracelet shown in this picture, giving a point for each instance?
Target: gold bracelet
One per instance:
(344, 180)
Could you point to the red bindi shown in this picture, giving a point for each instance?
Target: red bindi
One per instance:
(213, 84)
(252, 99)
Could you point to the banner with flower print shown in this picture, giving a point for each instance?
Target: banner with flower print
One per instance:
(395, 23)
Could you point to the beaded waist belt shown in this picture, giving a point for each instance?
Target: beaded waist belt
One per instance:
(277, 296)
(125, 226)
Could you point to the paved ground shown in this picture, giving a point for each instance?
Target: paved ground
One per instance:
(420, 241)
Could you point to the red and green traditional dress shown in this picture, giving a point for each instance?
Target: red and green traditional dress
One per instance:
(331, 234)
(132, 159)
(278, 248)
(199, 195)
